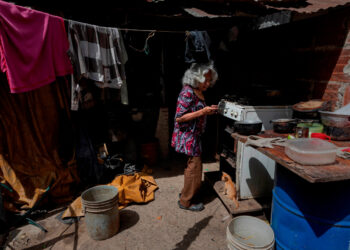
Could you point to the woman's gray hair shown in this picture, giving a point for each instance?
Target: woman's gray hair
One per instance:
(195, 74)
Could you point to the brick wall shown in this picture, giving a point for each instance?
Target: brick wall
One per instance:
(338, 87)
(306, 59)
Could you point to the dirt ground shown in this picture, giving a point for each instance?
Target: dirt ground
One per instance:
(160, 224)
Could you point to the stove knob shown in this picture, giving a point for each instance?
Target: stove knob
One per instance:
(225, 111)
(235, 114)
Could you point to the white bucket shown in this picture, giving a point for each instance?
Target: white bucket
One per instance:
(248, 233)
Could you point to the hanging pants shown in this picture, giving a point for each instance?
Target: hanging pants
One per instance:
(192, 180)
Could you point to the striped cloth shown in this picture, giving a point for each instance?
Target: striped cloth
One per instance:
(97, 53)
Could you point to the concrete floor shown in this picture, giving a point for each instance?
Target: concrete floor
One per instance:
(159, 224)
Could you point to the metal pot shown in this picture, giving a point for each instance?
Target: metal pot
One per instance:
(284, 125)
(335, 120)
(338, 134)
(248, 127)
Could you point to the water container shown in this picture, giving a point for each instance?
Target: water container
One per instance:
(248, 233)
(100, 204)
(310, 215)
(150, 152)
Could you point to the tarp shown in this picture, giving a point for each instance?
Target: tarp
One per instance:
(36, 147)
(138, 188)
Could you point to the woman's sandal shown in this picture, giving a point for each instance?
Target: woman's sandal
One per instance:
(195, 207)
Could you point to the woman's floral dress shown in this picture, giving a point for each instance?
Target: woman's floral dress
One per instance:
(186, 137)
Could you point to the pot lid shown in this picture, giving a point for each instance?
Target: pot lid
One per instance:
(312, 105)
(284, 120)
(248, 122)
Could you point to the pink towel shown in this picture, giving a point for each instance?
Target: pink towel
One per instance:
(33, 47)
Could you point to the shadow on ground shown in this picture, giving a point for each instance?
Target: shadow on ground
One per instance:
(192, 233)
(128, 218)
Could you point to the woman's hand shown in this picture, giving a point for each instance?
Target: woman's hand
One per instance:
(210, 110)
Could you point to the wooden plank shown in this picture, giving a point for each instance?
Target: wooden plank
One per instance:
(229, 160)
(211, 167)
(245, 206)
(338, 171)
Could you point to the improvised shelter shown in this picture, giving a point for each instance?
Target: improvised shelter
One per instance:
(297, 48)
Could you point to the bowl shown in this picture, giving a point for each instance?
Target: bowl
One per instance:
(335, 120)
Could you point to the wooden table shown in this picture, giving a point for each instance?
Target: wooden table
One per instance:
(310, 209)
(338, 171)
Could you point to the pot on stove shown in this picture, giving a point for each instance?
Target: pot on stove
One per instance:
(284, 125)
(248, 127)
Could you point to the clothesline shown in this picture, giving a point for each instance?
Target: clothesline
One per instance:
(137, 30)
(131, 29)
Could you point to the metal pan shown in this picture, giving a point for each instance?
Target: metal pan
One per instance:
(248, 127)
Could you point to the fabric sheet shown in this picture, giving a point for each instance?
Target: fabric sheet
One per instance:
(137, 188)
(36, 147)
(33, 47)
(97, 53)
(257, 141)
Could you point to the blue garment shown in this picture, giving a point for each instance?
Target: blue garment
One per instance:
(197, 47)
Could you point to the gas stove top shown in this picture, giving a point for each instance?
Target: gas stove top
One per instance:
(239, 112)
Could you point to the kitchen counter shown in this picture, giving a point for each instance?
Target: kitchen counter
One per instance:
(338, 171)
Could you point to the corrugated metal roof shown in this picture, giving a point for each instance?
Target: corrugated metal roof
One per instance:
(201, 13)
(312, 6)
(299, 7)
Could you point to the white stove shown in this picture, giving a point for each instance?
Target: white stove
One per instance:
(254, 172)
(238, 112)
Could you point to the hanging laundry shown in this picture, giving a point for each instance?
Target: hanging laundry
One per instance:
(197, 47)
(33, 47)
(97, 53)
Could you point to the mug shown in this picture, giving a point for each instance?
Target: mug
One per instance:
(301, 132)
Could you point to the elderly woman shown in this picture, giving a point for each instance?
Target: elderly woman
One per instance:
(190, 120)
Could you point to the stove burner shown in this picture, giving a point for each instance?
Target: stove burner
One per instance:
(242, 100)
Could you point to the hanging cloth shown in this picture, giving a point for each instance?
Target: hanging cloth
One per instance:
(33, 47)
(36, 145)
(197, 47)
(97, 53)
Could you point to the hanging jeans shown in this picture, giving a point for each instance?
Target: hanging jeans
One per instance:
(192, 180)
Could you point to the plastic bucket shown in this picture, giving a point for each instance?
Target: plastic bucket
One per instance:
(100, 204)
(247, 232)
(150, 152)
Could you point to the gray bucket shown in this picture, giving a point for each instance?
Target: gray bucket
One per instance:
(248, 233)
(100, 204)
